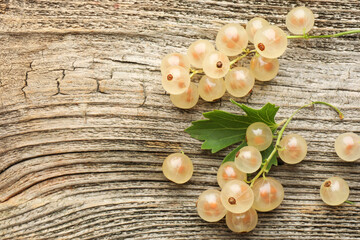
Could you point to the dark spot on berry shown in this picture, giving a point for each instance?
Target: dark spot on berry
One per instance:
(261, 46)
(327, 184)
(237, 154)
(232, 200)
(219, 64)
(170, 77)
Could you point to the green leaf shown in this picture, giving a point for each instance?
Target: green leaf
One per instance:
(265, 154)
(231, 156)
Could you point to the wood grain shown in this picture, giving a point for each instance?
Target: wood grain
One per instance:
(85, 123)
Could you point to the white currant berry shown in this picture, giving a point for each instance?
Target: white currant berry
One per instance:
(227, 172)
(347, 146)
(268, 194)
(216, 64)
(242, 222)
(300, 20)
(197, 52)
(254, 25)
(270, 41)
(174, 59)
(239, 81)
(175, 80)
(259, 135)
(334, 191)
(237, 196)
(211, 89)
(248, 159)
(293, 148)
(188, 99)
(178, 167)
(209, 206)
(231, 39)
(264, 69)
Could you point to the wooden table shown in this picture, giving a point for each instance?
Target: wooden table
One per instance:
(85, 123)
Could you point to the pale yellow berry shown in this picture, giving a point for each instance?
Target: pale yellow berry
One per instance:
(188, 99)
(211, 89)
(334, 191)
(177, 167)
(231, 39)
(209, 206)
(268, 194)
(237, 196)
(227, 172)
(242, 222)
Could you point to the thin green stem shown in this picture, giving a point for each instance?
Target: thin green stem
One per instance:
(246, 52)
(326, 36)
(267, 161)
(349, 202)
(195, 71)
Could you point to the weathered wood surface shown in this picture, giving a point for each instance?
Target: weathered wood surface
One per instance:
(85, 123)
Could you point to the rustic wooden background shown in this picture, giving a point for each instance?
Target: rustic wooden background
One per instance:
(85, 123)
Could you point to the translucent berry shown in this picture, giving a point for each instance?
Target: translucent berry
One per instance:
(270, 41)
(177, 167)
(174, 59)
(334, 191)
(216, 64)
(268, 194)
(239, 81)
(227, 172)
(231, 39)
(211, 89)
(176, 80)
(300, 20)
(188, 99)
(197, 52)
(254, 25)
(293, 148)
(248, 159)
(347, 146)
(242, 222)
(237, 196)
(264, 69)
(209, 206)
(259, 135)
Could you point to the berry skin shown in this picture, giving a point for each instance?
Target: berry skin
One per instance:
(254, 25)
(347, 146)
(268, 194)
(211, 89)
(294, 149)
(177, 167)
(259, 135)
(174, 59)
(237, 196)
(227, 172)
(248, 159)
(209, 206)
(334, 191)
(242, 222)
(175, 80)
(188, 99)
(264, 69)
(197, 52)
(300, 20)
(270, 41)
(231, 39)
(239, 81)
(216, 64)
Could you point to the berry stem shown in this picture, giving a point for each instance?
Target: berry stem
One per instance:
(246, 52)
(195, 71)
(305, 36)
(267, 161)
(349, 202)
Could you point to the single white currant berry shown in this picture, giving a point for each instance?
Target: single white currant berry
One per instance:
(175, 80)
(248, 159)
(239, 81)
(237, 196)
(209, 206)
(242, 222)
(227, 172)
(216, 64)
(254, 25)
(188, 99)
(259, 135)
(334, 191)
(231, 39)
(270, 41)
(197, 52)
(174, 59)
(268, 194)
(211, 89)
(347, 146)
(177, 167)
(300, 20)
(293, 148)
(264, 69)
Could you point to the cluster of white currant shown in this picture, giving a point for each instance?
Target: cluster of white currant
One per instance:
(239, 200)
(232, 39)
